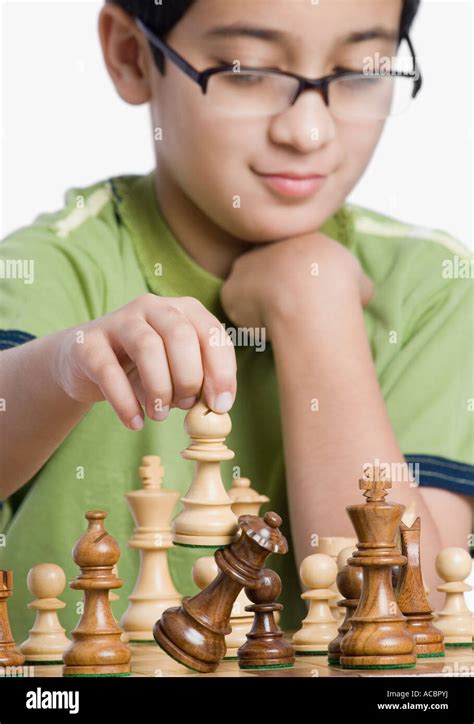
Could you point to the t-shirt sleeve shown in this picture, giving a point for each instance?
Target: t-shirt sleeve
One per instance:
(429, 386)
(47, 283)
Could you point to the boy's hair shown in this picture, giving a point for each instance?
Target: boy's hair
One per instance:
(162, 18)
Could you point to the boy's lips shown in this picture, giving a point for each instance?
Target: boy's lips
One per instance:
(292, 184)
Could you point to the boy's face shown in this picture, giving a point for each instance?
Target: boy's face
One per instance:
(214, 157)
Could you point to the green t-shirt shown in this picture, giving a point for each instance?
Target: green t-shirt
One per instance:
(104, 249)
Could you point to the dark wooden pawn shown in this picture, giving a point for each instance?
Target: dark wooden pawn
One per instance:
(349, 584)
(265, 647)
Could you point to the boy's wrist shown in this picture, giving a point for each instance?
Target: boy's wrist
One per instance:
(54, 348)
(294, 278)
(314, 308)
(329, 285)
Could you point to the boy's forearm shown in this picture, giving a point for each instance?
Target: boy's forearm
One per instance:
(36, 413)
(334, 421)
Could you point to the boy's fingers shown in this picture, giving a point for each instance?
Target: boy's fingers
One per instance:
(114, 384)
(183, 352)
(146, 348)
(220, 367)
(217, 352)
(137, 387)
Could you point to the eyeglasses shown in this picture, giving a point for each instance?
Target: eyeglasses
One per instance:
(241, 91)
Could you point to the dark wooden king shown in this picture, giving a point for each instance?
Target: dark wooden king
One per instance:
(378, 636)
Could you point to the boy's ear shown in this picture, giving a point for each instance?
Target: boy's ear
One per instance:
(126, 54)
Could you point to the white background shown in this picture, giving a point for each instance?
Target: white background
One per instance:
(63, 124)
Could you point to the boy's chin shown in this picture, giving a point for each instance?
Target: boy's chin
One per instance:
(267, 233)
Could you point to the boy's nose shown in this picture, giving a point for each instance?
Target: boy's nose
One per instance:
(306, 125)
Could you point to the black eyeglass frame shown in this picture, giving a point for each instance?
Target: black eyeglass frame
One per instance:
(320, 84)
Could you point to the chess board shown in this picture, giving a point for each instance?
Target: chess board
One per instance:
(148, 660)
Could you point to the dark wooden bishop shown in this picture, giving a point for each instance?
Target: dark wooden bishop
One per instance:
(194, 633)
(378, 636)
(412, 598)
(96, 648)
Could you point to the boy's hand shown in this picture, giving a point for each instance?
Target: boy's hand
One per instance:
(301, 274)
(153, 352)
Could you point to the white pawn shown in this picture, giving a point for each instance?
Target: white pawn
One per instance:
(455, 619)
(318, 572)
(332, 546)
(205, 570)
(47, 639)
(245, 500)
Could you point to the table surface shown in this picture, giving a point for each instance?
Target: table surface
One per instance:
(148, 660)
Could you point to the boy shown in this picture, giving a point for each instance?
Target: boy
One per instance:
(243, 222)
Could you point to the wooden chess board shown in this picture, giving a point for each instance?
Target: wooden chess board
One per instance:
(148, 660)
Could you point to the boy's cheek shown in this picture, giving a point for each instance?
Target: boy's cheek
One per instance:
(359, 142)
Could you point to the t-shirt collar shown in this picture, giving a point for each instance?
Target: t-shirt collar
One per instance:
(168, 269)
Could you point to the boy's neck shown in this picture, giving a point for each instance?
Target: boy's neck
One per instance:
(206, 243)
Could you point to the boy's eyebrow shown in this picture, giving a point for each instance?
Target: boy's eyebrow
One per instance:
(249, 31)
(376, 33)
(272, 35)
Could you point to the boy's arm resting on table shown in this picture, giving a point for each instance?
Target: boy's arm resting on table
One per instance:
(322, 353)
(38, 414)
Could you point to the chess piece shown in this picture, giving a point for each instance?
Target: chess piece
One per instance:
(265, 647)
(113, 598)
(409, 514)
(378, 635)
(207, 519)
(47, 640)
(245, 500)
(194, 633)
(396, 573)
(349, 583)
(318, 573)
(204, 571)
(9, 656)
(411, 596)
(96, 649)
(154, 591)
(408, 518)
(455, 620)
(112, 595)
(332, 546)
